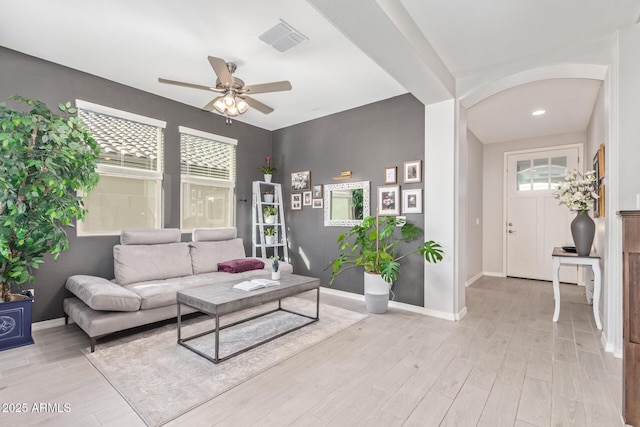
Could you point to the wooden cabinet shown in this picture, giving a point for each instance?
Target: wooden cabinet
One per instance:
(631, 316)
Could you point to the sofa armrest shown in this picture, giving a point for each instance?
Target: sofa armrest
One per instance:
(102, 294)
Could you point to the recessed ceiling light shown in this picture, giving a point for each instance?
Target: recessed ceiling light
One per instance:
(538, 112)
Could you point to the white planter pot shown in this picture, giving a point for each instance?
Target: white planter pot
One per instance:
(376, 293)
(270, 240)
(271, 219)
(275, 275)
(268, 198)
(267, 177)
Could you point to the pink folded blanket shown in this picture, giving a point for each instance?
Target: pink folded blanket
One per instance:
(240, 265)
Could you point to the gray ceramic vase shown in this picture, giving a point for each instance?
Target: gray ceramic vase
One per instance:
(583, 229)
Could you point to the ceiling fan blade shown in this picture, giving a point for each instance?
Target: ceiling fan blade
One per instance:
(219, 66)
(263, 108)
(191, 85)
(209, 106)
(267, 87)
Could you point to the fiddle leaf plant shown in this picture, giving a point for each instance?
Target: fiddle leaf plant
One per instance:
(46, 159)
(374, 245)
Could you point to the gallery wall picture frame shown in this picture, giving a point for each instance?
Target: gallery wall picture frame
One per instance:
(389, 200)
(317, 204)
(318, 191)
(412, 201)
(306, 198)
(412, 171)
(296, 201)
(390, 174)
(301, 181)
(598, 167)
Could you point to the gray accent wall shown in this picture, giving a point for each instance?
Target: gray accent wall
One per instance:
(51, 83)
(363, 140)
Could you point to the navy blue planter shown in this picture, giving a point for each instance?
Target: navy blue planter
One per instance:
(15, 324)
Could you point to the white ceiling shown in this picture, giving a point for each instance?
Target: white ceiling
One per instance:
(357, 52)
(507, 116)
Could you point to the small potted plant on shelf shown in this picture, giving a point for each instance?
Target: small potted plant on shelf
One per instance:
(373, 245)
(270, 214)
(267, 196)
(268, 169)
(275, 263)
(270, 235)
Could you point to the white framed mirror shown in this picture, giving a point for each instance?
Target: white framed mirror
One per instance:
(346, 204)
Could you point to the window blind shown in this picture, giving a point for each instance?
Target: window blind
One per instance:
(207, 157)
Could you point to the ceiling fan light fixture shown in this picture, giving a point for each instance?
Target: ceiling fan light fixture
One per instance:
(242, 105)
(232, 111)
(219, 105)
(229, 100)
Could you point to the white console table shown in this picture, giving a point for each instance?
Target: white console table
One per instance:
(561, 257)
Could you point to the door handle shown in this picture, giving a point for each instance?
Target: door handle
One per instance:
(511, 231)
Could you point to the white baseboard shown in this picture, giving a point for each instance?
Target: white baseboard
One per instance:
(473, 279)
(610, 347)
(492, 274)
(461, 314)
(47, 324)
(399, 305)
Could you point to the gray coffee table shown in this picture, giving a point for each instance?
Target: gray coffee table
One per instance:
(221, 299)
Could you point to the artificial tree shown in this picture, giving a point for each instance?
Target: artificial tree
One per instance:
(45, 159)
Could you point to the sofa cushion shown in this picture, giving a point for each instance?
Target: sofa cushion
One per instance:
(137, 263)
(102, 294)
(205, 256)
(214, 234)
(150, 237)
(240, 265)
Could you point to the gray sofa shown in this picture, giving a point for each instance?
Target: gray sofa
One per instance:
(150, 267)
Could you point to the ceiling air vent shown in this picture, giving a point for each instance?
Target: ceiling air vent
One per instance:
(282, 37)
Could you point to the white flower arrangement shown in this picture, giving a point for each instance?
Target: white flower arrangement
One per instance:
(578, 191)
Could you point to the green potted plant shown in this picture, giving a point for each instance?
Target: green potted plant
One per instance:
(46, 159)
(270, 235)
(270, 213)
(373, 245)
(268, 169)
(268, 196)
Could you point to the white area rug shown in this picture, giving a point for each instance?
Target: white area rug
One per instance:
(162, 380)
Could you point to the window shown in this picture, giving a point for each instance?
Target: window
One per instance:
(541, 174)
(207, 179)
(129, 194)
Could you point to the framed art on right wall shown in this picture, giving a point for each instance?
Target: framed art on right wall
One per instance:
(412, 171)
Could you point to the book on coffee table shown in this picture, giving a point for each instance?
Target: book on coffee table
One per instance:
(252, 285)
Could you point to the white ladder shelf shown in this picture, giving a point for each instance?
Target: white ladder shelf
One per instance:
(260, 247)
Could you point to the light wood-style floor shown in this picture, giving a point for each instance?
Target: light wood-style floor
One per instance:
(505, 363)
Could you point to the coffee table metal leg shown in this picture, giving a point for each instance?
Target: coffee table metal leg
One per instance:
(318, 304)
(179, 318)
(217, 339)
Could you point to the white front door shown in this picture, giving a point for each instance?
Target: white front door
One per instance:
(536, 222)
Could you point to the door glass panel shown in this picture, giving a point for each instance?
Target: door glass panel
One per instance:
(523, 170)
(558, 171)
(540, 174)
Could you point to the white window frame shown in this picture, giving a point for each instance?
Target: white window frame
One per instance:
(199, 180)
(127, 172)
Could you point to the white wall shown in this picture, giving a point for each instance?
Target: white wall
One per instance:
(492, 208)
(629, 116)
(474, 214)
(441, 292)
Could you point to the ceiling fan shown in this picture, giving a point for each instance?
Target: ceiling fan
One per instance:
(234, 96)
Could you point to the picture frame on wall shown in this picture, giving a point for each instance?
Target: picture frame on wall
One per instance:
(306, 198)
(301, 181)
(389, 200)
(412, 201)
(317, 191)
(391, 175)
(296, 201)
(412, 171)
(317, 204)
(598, 167)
